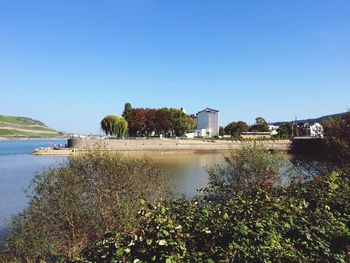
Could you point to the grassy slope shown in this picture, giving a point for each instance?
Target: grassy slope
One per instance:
(25, 127)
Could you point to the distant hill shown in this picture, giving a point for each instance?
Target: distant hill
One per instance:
(17, 127)
(312, 121)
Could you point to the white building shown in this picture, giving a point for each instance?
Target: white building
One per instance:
(316, 130)
(207, 123)
(273, 129)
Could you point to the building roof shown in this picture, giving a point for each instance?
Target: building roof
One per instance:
(207, 110)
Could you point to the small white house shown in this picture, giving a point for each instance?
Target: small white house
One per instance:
(273, 129)
(207, 123)
(316, 130)
(190, 135)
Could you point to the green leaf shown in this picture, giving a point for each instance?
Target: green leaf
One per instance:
(333, 186)
(162, 242)
(120, 251)
(165, 233)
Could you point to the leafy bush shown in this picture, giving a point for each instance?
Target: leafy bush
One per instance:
(249, 166)
(337, 142)
(244, 215)
(304, 223)
(76, 204)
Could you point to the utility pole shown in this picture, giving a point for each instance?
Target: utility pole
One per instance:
(296, 127)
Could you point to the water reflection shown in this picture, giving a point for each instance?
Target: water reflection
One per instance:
(187, 172)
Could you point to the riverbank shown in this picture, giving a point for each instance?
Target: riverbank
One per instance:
(78, 146)
(32, 138)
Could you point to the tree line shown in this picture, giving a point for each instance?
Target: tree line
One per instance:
(236, 128)
(285, 130)
(164, 121)
(174, 122)
(148, 122)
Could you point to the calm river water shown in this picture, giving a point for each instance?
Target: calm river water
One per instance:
(18, 167)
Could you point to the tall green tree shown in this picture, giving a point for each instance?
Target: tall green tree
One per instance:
(235, 128)
(127, 111)
(260, 125)
(285, 131)
(179, 122)
(114, 125)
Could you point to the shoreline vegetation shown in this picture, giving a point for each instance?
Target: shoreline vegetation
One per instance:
(105, 207)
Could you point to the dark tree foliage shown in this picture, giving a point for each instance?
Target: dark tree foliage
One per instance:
(161, 121)
(127, 111)
(165, 121)
(235, 128)
(260, 125)
(137, 122)
(337, 141)
(285, 131)
(221, 131)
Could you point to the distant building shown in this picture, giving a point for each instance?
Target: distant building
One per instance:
(273, 129)
(308, 130)
(316, 130)
(303, 129)
(207, 123)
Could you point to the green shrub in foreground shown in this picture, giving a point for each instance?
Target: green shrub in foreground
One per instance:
(303, 223)
(75, 204)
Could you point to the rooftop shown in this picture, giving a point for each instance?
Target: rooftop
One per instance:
(207, 110)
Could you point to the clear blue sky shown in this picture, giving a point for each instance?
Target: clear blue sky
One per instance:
(70, 63)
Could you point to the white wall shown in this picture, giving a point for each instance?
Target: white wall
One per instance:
(209, 121)
(202, 120)
(214, 123)
(200, 132)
